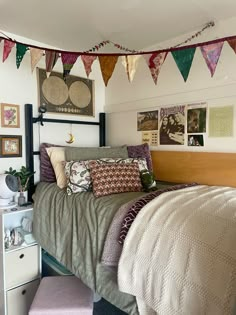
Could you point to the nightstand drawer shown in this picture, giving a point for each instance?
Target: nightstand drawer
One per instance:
(22, 266)
(20, 299)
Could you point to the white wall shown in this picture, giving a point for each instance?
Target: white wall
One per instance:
(124, 99)
(19, 86)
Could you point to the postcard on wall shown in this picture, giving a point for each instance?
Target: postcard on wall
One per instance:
(150, 137)
(172, 125)
(10, 115)
(195, 140)
(221, 121)
(196, 118)
(10, 146)
(147, 120)
(74, 96)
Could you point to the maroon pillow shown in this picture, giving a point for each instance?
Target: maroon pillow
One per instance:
(115, 178)
(141, 151)
(46, 170)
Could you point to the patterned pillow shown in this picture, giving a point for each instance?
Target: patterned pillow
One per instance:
(47, 173)
(115, 178)
(78, 172)
(141, 151)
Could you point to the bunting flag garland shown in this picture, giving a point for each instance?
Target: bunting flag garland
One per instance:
(211, 54)
(107, 65)
(88, 61)
(20, 52)
(8, 45)
(183, 59)
(35, 55)
(154, 62)
(232, 44)
(130, 63)
(50, 59)
(68, 60)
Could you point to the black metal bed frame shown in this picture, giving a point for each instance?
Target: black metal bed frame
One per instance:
(29, 136)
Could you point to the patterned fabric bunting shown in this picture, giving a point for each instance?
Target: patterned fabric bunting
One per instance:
(154, 62)
(20, 52)
(211, 54)
(184, 59)
(35, 55)
(50, 59)
(107, 64)
(88, 61)
(8, 45)
(232, 43)
(68, 60)
(130, 63)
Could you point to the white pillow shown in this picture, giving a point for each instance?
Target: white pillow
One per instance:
(57, 157)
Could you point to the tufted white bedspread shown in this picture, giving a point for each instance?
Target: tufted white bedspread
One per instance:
(179, 256)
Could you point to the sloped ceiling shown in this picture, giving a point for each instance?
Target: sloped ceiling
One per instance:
(80, 24)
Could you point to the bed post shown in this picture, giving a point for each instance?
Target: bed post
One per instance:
(29, 146)
(102, 129)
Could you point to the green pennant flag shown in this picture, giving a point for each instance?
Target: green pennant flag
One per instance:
(20, 52)
(183, 59)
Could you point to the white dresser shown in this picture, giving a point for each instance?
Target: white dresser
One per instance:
(20, 265)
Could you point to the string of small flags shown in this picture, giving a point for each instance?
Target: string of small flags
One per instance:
(183, 56)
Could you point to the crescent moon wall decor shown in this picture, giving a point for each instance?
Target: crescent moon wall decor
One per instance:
(75, 96)
(72, 138)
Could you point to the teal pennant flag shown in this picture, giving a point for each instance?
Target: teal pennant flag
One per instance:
(20, 52)
(183, 59)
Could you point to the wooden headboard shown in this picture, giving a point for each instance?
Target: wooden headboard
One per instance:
(202, 167)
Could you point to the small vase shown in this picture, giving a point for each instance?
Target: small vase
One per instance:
(21, 199)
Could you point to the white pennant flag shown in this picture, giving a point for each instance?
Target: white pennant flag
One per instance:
(130, 63)
(35, 54)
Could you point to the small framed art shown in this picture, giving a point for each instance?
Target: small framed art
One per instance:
(10, 115)
(10, 146)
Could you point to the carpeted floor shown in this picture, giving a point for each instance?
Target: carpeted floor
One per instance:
(103, 307)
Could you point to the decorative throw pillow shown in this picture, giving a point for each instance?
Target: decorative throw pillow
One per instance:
(47, 173)
(78, 172)
(115, 178)
(141, 151)
(57, 156)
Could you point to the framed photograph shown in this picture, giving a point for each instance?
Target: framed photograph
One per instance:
(10, 146)
(147, 120)
(74, 96)
(10, 115)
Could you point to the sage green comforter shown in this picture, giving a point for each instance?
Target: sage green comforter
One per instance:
(73, 230)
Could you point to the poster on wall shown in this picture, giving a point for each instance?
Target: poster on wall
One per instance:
(147, 120)
(150, 137)
(221, 121)
(74, 96)
(195, 140)
(196, 118)
(172, 125)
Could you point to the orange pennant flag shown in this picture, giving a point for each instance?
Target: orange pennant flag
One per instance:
(107, 65)
(232, 44)
(35, 55)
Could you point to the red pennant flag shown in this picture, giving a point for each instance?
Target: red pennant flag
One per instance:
(154, 62)
(8, 45)
(211, 54)
(88, 61)
(50, 59)
(68, 60)
(232, 44)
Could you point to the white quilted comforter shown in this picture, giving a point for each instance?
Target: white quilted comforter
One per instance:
(179, 256)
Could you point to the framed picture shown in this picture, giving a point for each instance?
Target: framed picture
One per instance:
(74, 96)
(10, 115)
(10, 146)
(147, 120)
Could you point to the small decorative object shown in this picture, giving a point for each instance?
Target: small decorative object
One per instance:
(21, 199)
(72, 138)
(27, 224)
(10, 115)
(7, 239)
(10, 146)
(148, 180)
(16, 237)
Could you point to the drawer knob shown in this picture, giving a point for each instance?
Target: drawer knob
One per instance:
(23, 292)
(21, 256)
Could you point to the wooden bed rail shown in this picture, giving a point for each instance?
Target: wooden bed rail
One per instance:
(202, 167)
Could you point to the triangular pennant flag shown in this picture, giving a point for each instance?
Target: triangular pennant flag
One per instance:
(232, 44)
(154, 62)
(183, 59)
(107, 64)
(50, 59)
(130, 63)
(211, 54)
(8, 45)
(35, 55)
(68, 60)
(88, 61)
(20, 52)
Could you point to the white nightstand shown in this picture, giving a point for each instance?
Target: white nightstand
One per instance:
(20, 266)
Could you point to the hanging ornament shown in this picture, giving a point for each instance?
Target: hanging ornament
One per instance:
(72, 138)
(50, 59)
(88, 61)
(130, 63)
(8, 45)
(183, 59)
(154, 62)
(20, 52)
(68, 60)
(35, 55)
(211, 54)
(107, 65)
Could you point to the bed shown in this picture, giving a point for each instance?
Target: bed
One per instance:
(79, 230)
